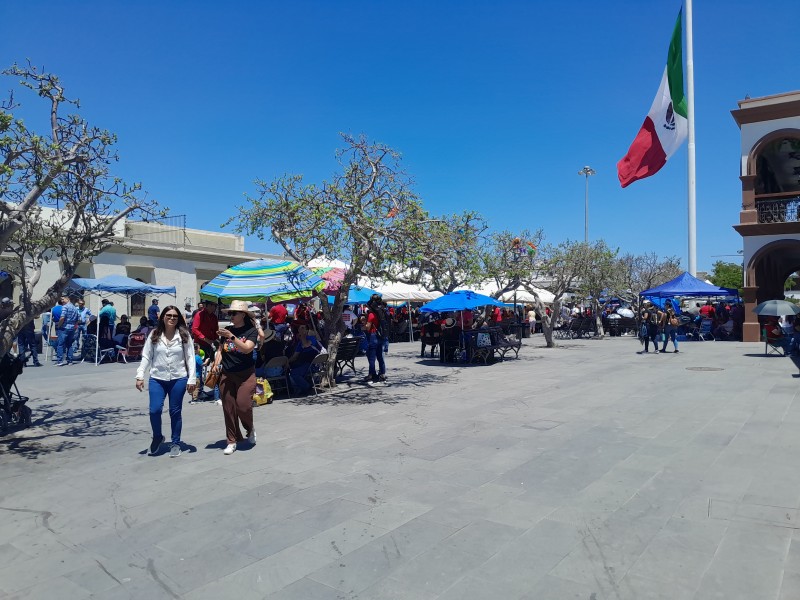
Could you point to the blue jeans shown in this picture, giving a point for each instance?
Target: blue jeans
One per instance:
(159, 390)
(26, 342)
(297, 375)
(375, 351)
(78, 337)
(65, 339)
(670, 332)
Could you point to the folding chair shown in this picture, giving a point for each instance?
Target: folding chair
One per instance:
(318, 373)
(90, 353)
(774, 345)
(706, 326)
(279, 382)
(133, 349)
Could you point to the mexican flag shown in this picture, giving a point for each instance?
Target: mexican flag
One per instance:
(664, 129)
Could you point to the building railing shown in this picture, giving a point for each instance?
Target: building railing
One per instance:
(778, 210)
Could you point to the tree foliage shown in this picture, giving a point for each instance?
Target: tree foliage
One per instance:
(58, 198)
(367, 215)
(727, 274)
(639, 272)
(446, 257)
(597, 283)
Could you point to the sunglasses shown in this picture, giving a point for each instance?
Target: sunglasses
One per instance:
(235, 312)
(170, 316)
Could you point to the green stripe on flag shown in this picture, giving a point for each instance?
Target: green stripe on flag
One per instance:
(675, 70)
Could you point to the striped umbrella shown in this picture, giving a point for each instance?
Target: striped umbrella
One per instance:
(259, 280)
(333, 277)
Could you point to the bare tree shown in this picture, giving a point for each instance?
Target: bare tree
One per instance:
(640, 272)
(58, 198)
(367, 215)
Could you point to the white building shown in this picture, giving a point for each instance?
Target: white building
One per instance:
(159, 254)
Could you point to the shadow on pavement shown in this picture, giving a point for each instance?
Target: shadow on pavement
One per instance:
(56, 429)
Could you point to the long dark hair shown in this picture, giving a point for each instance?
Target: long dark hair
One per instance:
(183, 331)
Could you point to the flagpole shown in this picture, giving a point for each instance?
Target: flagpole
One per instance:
(691, 147)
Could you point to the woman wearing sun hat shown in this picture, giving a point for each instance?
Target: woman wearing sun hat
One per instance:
(237, 382)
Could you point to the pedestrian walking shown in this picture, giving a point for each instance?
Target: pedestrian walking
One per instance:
(168, 354)
(237, 383)
(670, 321)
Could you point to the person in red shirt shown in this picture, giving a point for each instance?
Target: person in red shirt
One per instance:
(707, 311)
(278, 316)
(375, 337)
(205, 326)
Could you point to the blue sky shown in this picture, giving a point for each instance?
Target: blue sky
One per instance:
(495, 106)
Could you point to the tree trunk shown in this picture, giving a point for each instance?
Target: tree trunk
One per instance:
(333, 347)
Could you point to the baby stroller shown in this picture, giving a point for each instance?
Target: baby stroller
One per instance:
(13, 411)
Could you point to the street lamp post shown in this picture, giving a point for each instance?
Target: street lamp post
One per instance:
(586, 171)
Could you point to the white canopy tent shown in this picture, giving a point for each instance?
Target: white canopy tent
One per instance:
(524, 295)
(401, 292)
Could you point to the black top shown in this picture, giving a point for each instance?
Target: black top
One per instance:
(233, 359)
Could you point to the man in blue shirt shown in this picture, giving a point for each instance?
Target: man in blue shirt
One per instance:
(84, 314)
(108, 318)
(153, 312)
(67, 326)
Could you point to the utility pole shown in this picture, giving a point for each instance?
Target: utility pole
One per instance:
(586, 171)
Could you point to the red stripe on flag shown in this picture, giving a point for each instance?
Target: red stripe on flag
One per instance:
(645, 157)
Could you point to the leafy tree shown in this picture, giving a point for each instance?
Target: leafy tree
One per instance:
(367, 215)
(58, 198)
(598, 280)
(557, 268)
(446, 257)
(727, 274)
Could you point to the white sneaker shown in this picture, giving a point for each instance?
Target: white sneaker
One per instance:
(251, 439)
(230, 449)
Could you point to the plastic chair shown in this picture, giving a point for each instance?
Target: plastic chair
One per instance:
(279, 382)
(133, 349)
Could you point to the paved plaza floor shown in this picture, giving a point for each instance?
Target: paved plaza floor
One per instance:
(587, 471)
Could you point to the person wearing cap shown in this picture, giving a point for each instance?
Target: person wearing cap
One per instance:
(237, 384)
(152, 312)
(205, 325)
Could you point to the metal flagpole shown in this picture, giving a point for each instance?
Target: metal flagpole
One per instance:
(691, 147)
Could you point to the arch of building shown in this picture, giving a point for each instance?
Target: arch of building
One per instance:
(770, 186)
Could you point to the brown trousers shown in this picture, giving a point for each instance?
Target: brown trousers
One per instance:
(236, 392)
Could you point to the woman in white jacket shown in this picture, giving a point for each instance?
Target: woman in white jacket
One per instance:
(169, 354)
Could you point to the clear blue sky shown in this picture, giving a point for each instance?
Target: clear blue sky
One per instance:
(495, 106)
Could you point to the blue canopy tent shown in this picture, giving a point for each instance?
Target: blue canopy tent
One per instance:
(687, 285)
(116, 284)
(357, 295)
(459, 300)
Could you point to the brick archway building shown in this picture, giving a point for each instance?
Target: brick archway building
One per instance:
(769, 221)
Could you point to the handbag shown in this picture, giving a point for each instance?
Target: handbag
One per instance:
(212, 379)
(264, 393)
(643, 331)
(483, 341)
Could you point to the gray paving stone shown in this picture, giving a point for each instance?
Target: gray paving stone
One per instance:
(536, 483)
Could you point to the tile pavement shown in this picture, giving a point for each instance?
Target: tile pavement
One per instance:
(586, 471)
